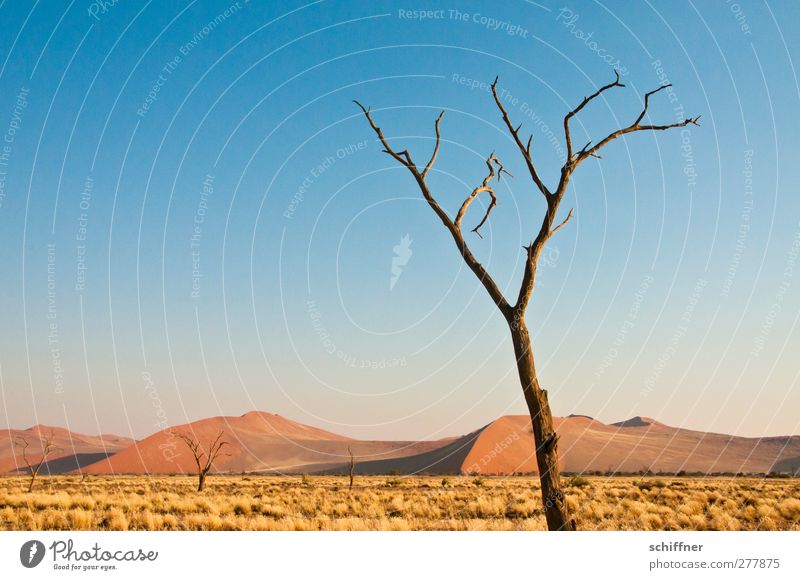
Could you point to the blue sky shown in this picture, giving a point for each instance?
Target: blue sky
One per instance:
(195, 220)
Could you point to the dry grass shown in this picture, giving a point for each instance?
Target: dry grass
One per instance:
(381, 503)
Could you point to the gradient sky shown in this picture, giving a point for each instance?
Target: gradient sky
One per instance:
(195, 220)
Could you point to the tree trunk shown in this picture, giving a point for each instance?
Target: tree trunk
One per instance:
(544, 436)
(201, 481)
(33, 480)
(352, 469)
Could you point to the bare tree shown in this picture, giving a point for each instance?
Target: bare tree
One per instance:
(546, 440)
(352, 470)
(48, 449)
(202, 458)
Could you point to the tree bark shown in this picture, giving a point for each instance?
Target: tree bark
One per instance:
(352, 469)
(201, 481)
(544, 435)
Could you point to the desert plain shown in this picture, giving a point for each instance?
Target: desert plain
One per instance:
(326, 502)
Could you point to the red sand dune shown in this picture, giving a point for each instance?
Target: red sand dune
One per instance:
(257, 442)
(264, 442)
(75, 449)
(505, 446)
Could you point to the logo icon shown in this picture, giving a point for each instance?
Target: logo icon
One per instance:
(402, 254)
(31, 553)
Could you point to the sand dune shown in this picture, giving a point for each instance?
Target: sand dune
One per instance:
(505, 446)
(257, 442)
(76, 449)
(640, 443)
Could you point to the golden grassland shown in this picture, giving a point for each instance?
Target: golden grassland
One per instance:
(393, 503)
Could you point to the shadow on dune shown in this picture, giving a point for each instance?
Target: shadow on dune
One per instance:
(787, 465)
(444, 460)
(68, 463)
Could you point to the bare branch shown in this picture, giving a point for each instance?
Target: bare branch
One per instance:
(584, 102)
(584, 150)
(573, 160)
(647, 102)
(492, 203)
(21, 442)
(635, 126)
(491, 161)
(632, 128)
(401, 156)
(562, 224)
(436, 147)
(455, 230)
(48, 448)
(524, 149)
(215, 450)
(194, 448)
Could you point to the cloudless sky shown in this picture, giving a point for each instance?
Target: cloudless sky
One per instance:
(195, 220)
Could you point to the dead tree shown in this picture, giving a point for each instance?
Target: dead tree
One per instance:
(352, 471)
(546, 440)
(48, 448)
(202, 458)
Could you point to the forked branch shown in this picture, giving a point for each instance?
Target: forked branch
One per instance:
(562, 224)
(576, 110)
(573, 159)
(34, 467)
(403, 157)
(587, 151)
(525, 149)
(491, 162)
(647, 102)
(454, 227)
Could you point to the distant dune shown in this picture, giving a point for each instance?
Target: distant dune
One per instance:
(257, 442)
(638, 444)
(261, 442)
(76, 449)
(505, 446)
